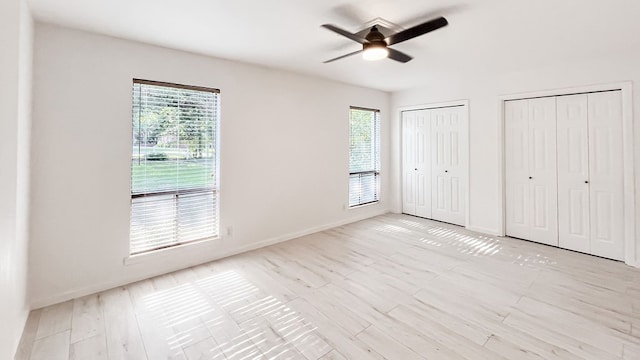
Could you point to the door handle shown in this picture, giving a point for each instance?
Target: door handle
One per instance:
(446, 171)
(586, 181)
(416, 169)
(530, 177)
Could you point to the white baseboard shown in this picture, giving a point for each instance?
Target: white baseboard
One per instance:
(635, 264)
(23, 321)
(76, 293)
(482, 230)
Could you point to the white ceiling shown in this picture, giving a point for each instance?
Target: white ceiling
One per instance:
(483, 35)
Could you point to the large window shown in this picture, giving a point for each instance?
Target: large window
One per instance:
(174, 173)
(364, 156)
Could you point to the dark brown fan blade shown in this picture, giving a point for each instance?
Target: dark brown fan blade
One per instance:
(345, 33)
(417, 30)
(342, 57)
(399, 56)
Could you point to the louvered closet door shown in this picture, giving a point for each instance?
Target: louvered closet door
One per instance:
(448, 165)
(606, 174)
(573, 173)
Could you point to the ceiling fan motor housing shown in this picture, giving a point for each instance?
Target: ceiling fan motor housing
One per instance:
(375, 39)
(375, 48)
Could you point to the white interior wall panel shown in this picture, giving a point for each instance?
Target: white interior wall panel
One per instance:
(63, 223)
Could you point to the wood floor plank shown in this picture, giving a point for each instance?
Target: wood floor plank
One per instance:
(609, 316)
(28, 336)
(578, 327)
(556, 336)
(55, 319)
(272, 344)
(385, 345)
(231, 339)
(468, 329)
(206, 349)
(419, 340)
(298, 331)
(340, 314)
(630, 353)
(121, 327)
(254, 274)
(159, 318)
(513, 351)
(94, 348)
(389, 287)
(87, 320)
(334, 336)
(443, 335)
(333, 355)
(52, 347)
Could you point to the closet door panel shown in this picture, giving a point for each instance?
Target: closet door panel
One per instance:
(458, 167)
(409, 176)
(606, 174)
(449, 169)
(423, 164)
(440, 148)
(543, 171)
(518, 219)
(573, 173)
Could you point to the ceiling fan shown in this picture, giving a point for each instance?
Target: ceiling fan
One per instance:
(375, 46)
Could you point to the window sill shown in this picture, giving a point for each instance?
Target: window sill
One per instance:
(363, 205)
(166, 252)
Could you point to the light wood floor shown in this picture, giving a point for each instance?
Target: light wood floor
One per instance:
(391, 287)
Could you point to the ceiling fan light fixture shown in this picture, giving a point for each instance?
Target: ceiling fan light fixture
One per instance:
(374, 52)
(375, 44)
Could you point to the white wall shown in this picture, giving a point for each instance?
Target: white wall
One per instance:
(15, 95)
(284, 157)
(483, 89)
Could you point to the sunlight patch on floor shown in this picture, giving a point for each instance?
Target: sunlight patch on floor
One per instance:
(475, 245)
(243, 321)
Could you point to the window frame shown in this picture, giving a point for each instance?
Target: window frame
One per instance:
(214, 190)
(376, 172)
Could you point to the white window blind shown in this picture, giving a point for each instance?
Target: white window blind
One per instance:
(364, 156)
(174, 177)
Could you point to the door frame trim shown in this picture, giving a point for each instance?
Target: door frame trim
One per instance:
(626, 89)
(446, 104)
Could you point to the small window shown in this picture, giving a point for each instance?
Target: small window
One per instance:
(174, 172)
(364, 156)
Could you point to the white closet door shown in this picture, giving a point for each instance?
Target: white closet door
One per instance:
(543, 170)
(416, 167)
(531, 176)
(423, 164)
(448, 165)
(518, 184)
(409, 176)
(606, 174)
(573, 173)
